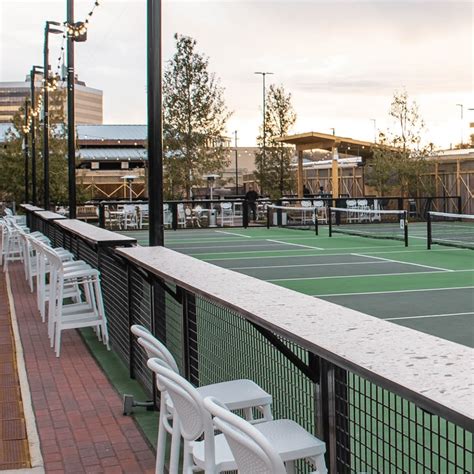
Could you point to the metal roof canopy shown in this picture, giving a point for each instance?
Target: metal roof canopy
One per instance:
(325, 141)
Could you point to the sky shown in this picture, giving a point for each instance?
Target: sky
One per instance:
(341, 61)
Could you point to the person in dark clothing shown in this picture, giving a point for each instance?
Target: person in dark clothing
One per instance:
(306, 191)
(252, 197)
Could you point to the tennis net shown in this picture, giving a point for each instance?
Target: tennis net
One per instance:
(456, 230)
(374, 223)
(298, 217)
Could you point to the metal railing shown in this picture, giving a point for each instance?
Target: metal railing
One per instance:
(208, 213)
(384, 398)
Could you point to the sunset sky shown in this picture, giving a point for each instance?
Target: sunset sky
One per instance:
(341, 61)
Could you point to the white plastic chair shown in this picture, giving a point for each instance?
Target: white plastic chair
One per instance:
(240, 394)
(88, 313)
(181, 216)
(167, 216)
(227, 214)
(213, 453)
(251, 449)
(321, 210)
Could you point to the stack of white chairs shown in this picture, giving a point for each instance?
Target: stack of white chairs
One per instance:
(241, 394)
(194, 414)
(68, 291)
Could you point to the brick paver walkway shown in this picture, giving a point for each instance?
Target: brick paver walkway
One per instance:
(78, 413)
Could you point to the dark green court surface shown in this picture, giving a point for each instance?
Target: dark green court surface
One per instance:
(428, 290)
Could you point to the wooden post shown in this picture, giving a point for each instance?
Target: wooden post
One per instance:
(458, 177)
(335, 171)
(300, 174)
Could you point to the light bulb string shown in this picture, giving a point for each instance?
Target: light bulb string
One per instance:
(80, 28)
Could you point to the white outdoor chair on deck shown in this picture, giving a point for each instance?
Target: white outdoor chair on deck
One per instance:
(203, 450)
(264, 448)
(242, 394)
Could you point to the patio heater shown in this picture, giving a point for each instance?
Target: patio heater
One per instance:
(130, 178)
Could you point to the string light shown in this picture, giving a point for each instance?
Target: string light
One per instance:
(80, 28)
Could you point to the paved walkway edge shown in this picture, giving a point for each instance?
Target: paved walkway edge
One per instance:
(37, 464)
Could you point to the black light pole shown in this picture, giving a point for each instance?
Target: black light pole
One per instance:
(236, 165)
(75, 32)
(33, 72)
(71, 128)
(155, 123)
(27, 197)
(263, 74)
(46, 86)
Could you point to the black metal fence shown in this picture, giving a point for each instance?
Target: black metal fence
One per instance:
(187, 214)
(370, 423)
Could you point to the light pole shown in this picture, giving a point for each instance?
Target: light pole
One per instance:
(46, 88)
(33, 73)
(375, 129)
(75, 32)
(462, 114)
(26, 153)
(236, 165)
(263, 74)
(155, 123)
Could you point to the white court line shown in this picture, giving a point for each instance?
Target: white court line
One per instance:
(428, 316)
(304, 265)
(211, 259)
(395, 291)
(230, 247)
(389, 260)
(296, 245)
(233, 233)
(366, 276)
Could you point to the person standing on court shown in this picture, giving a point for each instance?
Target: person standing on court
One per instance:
(251, 196)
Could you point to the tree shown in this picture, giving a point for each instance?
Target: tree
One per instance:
(274, 170)
(12, 160)
(194, 119)
(400, 158)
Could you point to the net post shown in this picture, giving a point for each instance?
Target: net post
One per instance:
(405, 228)
(315, 217)
(268, 217)
(428, 231)
(330, 220)
(459, 199)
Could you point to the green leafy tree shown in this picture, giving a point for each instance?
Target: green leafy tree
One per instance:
(274, 168)
(400, 158)
(12, 162)
(194, 119)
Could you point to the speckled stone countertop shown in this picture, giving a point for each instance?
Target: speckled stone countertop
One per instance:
(49, 216)
(30, 207)
(94, 234)
(438, 374)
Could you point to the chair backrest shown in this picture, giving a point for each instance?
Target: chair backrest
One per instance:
(318, 203)
(305, 203)
(251, 449)
(351, 203)
(226, 205)
(153, 347)
(193, 418)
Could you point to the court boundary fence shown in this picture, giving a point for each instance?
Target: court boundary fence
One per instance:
(369, 415)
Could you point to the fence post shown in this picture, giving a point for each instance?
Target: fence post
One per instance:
(174, 215)
(459, 204)
(190, 348)
(101, 215)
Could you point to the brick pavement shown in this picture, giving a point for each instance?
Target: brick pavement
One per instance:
(78, 412)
